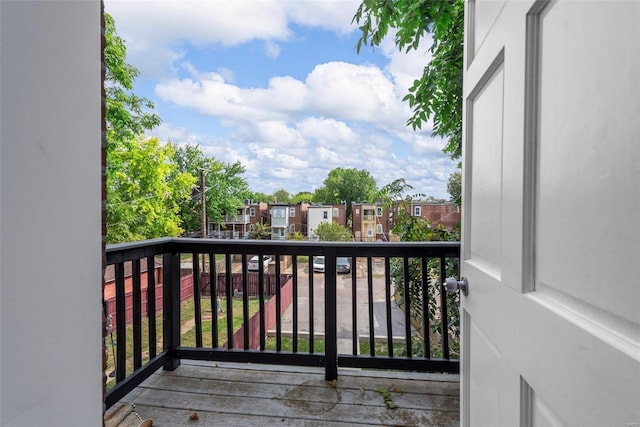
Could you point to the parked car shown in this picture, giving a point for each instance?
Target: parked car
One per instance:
(343, 265)
(254, 262)
(318, 264)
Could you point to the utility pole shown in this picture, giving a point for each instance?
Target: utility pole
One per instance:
(204, 208)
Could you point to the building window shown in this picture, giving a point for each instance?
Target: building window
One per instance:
(379, 228)
(252, 211)
(417, 211)
(292, 228)
(325, 215)
(292, 212)
(369, 231)
(379, 211)
(252, 227)
(335, 212)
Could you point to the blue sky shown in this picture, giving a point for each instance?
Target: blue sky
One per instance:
(278, 86)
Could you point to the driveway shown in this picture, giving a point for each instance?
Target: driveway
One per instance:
(344, 306)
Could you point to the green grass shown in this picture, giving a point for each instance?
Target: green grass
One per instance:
(287, 345)
(381, 348)
(188, 338)
(187, 316)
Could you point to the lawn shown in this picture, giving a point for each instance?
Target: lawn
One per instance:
(287, 345)
(381, 348)
(187, 338)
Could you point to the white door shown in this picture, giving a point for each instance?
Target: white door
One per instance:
(551, 219)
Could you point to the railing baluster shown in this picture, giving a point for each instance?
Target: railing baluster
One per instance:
(426, 336)
(278, 307)
(197, 306)
(245, 300)
(443, 308)
(331, 316)
(137, 313)
(372, 338)
(121, 320)
(354, 306)
(407, 305)
(387, 284)
(294, 267)
(213, 288)
(311, 307)
(151, 305)
(171, 308)
(229, 292)
(262, 306)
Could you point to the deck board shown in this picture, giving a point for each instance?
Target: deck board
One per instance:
(239, 394)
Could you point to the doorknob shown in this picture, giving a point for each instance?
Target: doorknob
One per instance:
(452, 285)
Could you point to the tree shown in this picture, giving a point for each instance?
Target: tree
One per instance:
(143, 186)
(454, 187)
(144, 189)
(259, 197)
(346, 186)
(260, 231)
(332, 232)
(411, 229)
(438, 93)
(302, 197)
(127, 114)
(225, 186)
(281, 196)
(297, 235)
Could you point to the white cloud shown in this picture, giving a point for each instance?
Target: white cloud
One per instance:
(288, 132)
(272, 49)
(337, 89)
(357, 92)
(155, 30)
(327, 131)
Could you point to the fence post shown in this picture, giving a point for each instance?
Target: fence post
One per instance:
(330, 316)
(171, 308)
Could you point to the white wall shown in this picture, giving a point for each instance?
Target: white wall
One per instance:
(50, 253)
(315, 217)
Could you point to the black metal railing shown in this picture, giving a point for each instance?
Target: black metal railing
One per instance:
(389, 311)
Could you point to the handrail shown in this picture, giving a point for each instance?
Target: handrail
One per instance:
(378, 271)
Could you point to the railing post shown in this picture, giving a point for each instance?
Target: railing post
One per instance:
(330, 316)
(171, 308)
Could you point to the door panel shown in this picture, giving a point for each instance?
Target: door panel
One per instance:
(485, 161)
(582, 207)
(551, 201)
(485, 14)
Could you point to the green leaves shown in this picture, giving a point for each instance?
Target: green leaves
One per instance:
(226, 188)
(437, 94)
(346, 185)
(149, 184)
(332, 232)
(143, 190)
(127, 114)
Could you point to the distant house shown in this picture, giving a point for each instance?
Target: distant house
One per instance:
(298, 217)
(239, 224)
(319, 213)
(233, 226)
(438, 213)
(279, 213)
(370, 222)
(374, 222)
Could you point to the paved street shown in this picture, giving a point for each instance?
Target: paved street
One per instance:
(344, 308)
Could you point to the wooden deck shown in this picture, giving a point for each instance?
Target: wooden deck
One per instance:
(209, 394)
